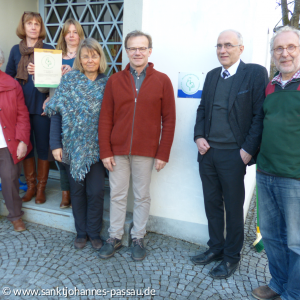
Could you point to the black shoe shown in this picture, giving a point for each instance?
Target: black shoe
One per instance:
(138, 251)
(206, 258)
(223, 270)
(80, 243)
(110, 247)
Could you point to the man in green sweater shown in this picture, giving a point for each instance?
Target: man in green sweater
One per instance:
(278, 170)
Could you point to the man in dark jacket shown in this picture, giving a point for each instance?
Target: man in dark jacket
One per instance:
(228, 133)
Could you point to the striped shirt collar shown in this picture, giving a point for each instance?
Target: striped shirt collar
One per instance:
(278, 79)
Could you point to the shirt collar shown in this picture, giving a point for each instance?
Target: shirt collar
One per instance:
(232, 70)
(278, 79)
(133, 71)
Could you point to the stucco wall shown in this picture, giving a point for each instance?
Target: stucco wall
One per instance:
(10, 14)
(184, 35)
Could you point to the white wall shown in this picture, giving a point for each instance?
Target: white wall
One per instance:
(10, 14)
(184, 35)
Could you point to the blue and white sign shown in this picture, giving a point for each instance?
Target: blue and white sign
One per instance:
(190, 85)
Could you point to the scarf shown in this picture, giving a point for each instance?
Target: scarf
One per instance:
(26, 58)
(78, 100)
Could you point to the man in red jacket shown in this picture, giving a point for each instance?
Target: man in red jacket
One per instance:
(136, 130)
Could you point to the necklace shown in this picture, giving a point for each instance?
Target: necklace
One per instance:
(71, 54)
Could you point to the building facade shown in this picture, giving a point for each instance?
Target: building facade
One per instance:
(184, 37)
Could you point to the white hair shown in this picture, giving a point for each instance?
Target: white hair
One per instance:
(238, 35)
(283, 29)
(1, 57)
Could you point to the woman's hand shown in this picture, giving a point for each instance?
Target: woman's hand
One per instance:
(44, 105)
(65, 69)
(31, 68)
(57, 153)
(21, 150)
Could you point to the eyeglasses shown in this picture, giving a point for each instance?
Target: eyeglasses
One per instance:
(226, 46)
(141, 49)
(87, 58)
(35, 14)
(290, 49)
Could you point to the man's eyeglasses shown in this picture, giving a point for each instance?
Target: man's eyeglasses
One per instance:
(133, 50)
(226, 46)
(290, 49)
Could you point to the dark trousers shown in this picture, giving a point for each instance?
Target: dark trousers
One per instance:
(87, 201)
(9, 174)
(222, 173)
(39, 136)
(64, 180)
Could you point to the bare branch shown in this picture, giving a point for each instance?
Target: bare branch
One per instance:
(285, 12)
(295, 18)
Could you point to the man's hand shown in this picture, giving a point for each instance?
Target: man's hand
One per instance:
(44, 105)
(245, 156)
(31, 68)
(21, 150)
(57, 153)
(108, 163)
(159, 164)
(202, 145)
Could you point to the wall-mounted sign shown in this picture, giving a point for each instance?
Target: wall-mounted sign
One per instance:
(190, 85)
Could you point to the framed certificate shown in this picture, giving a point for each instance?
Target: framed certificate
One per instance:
(47, 67)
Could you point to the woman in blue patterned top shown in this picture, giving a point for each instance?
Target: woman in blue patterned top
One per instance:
(70, 36)
(75, 109)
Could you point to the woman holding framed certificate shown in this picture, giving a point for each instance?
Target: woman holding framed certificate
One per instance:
(70, 37)
(75, 109)
(31, 31)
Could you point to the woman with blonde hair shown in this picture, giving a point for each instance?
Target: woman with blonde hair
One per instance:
(31, 31)
(75, 109)
(70, 37)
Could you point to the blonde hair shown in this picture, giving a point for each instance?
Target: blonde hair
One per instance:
(61, 43)
(92, 45)
(27, 16)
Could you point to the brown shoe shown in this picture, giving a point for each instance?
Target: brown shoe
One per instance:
(80, 243)
(65, 199)
(96, 243)
(42, 176)
(30, 176)
(18, 225)
(264, 293)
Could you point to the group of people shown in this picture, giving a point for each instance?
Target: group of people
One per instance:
(242, 120)
(125, 124)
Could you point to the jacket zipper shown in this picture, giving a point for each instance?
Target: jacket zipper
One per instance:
(135, 98)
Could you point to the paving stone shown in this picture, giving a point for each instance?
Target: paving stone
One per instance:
(43, 257)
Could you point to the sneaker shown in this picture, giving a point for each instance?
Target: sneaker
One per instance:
(265, 293)
(110, 247)
(138, 249)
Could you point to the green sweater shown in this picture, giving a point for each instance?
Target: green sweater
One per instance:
(280, 147)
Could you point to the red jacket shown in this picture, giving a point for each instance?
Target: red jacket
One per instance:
(14, 115)
(131, 124)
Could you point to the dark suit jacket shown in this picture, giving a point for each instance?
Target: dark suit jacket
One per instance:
(245, 111)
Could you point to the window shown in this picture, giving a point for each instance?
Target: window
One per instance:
(100, 19)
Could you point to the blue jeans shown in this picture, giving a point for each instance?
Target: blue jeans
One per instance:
(279, 220)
